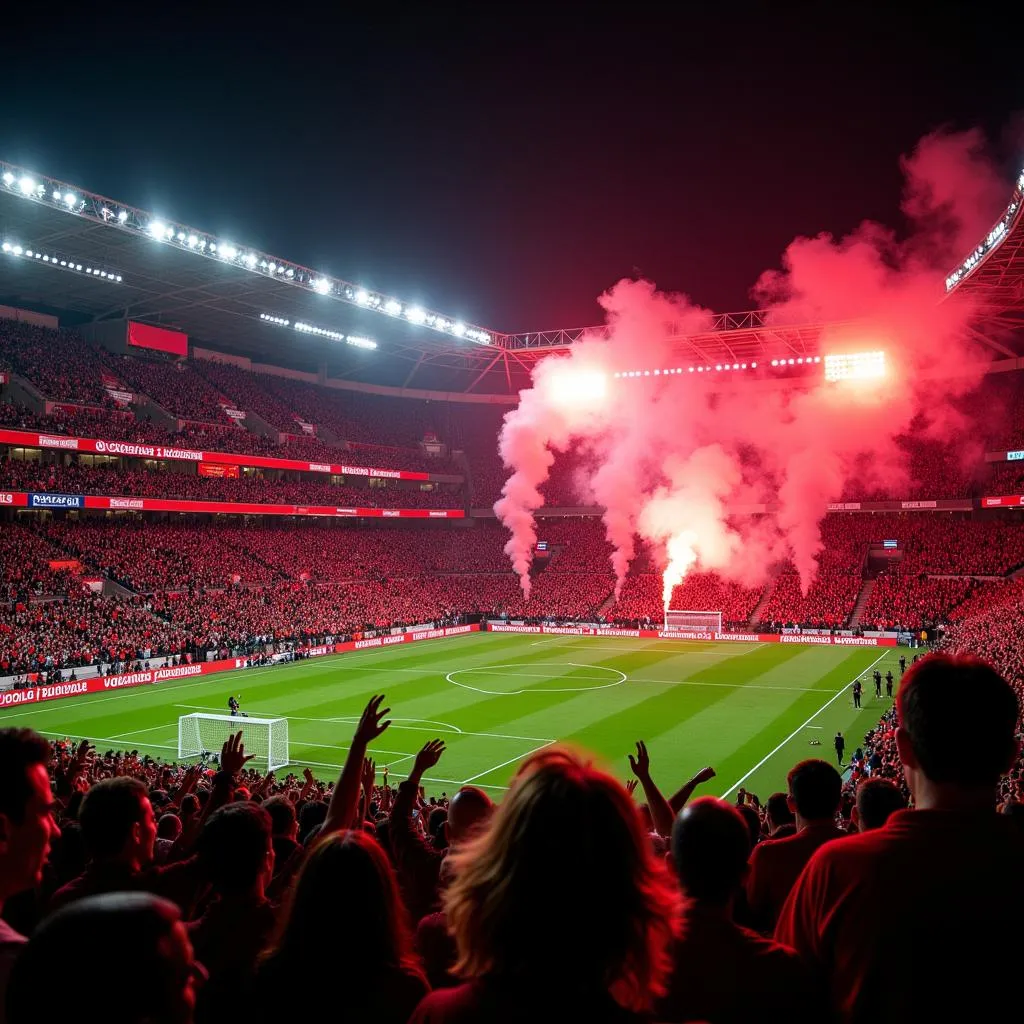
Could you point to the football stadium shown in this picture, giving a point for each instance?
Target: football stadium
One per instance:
(322, 607)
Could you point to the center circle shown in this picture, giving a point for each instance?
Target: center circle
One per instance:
(593, 682)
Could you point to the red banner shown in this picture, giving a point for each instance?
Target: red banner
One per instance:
(218, 469)
(159, 338)
(675, 634)
(71, 564)
(99, 684)
(1006, 501)
(30, 439)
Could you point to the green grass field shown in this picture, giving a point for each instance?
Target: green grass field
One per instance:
(749, 710)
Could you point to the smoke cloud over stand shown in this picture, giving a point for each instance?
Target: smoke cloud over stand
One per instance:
(669, 458)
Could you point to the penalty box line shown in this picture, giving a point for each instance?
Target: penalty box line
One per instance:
(796, 732)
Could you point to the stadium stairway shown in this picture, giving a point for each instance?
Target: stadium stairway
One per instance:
(755, 615)
(862, 600)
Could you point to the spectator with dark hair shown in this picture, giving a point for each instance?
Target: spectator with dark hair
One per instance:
(284, 827)
(346, 891)
(723, 972)
(877, 801)
(417, 859)
(237, 856)
(815, 788)
(560, 910)
(27, 827)
(781, 819)
(942, 883)
(156, 974)
(119, 833)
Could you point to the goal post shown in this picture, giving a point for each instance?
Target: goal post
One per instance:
(693, 622)
(266, 738)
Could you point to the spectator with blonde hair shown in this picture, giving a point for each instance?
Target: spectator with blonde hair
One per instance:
(559, 910)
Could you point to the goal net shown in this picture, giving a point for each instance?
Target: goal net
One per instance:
(266, 738)
(693, 622)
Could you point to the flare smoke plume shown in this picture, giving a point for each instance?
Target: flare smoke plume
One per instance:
(671, 460)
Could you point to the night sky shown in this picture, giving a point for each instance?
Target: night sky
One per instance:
(508, 169)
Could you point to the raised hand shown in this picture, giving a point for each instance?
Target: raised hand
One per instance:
(369, 774)
(641, 766)
(631, 785)
(427, 757)
(704, 775)
(233, 757)
(307, 774)
(370, 725)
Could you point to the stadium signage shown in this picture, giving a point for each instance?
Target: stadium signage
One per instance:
(6, 498)
(98, 684)
(31, 439)
(1006, 501)
(668, 634)
(56, 501)
(1017, 456)
(126, 503)
(844, 506)
(919, 504)
(58, 442)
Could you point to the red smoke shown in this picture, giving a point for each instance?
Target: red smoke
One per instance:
(666, 456)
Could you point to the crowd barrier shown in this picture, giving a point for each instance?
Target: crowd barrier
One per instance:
(33, 439)
(675, 634)
(25, 499)
(98, 684)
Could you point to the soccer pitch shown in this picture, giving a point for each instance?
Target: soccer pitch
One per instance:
(749, 710)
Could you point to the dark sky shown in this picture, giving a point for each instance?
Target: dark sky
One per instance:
(506, 167)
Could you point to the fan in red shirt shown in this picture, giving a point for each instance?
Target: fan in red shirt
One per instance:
(941, 887)
(723, 972)
(815, 789)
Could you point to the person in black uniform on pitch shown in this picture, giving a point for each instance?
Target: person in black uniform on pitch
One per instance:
(840, 745)
(878, 683)
(888, 683)
(233, 706)
(903, 664)
(857, 689)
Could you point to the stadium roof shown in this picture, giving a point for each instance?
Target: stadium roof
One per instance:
(90, 258)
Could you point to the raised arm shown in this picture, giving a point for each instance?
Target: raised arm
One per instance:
(678, 799)
(345, 798)
(661, 812)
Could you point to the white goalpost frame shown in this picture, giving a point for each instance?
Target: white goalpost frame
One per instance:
(267, 738)
(693, 622)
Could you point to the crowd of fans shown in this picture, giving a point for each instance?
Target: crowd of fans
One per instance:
(175, 386)
(903, 602)
(229, 884)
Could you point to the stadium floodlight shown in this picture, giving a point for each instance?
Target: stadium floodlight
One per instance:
(8, 178)
(393, 306)
(358, 342)
(122, 215)
(362, 297)
(855, 366)
(27, 185)
(157, 229)
(459, 329)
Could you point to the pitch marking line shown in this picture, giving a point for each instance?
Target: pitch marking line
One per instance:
(796, 732)
(511, 760)
(413, 728)
(525, 675)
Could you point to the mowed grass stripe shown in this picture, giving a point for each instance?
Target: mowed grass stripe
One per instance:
(732, 719)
